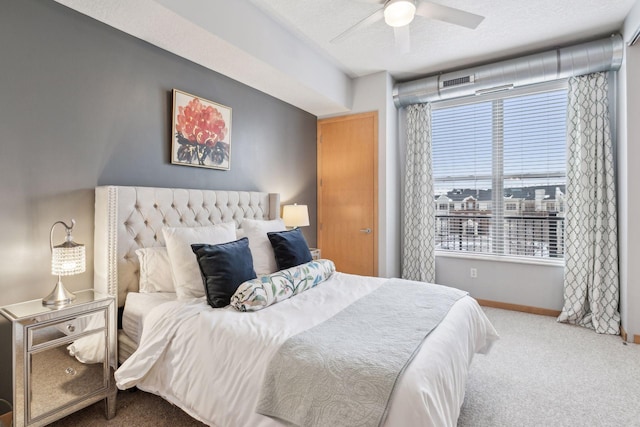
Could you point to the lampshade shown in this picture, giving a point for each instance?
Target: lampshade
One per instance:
(295, 215)
(398, 13)
(67, 259)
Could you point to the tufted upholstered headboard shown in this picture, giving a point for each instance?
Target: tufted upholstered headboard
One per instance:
(128, 218)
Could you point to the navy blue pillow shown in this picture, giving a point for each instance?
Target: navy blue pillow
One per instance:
(224, 267)
(290, 248)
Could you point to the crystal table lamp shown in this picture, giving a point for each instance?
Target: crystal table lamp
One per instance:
(67, 259)
(295, 215)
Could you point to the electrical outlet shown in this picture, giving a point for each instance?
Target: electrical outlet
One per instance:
(473, 273)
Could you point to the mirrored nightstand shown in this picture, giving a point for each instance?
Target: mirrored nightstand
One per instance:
(63, 358)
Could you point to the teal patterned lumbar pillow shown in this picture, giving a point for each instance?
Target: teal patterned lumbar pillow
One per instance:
(256, 294)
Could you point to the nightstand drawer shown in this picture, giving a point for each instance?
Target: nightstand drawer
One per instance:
(66, 328)
(57, 379)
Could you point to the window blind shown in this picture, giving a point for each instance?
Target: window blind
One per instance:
(499, 175)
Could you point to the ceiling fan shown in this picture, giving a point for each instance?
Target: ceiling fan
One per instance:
(399, 14)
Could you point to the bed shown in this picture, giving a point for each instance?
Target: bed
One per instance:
(211, 362)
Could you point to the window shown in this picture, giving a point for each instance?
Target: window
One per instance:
(501, 161)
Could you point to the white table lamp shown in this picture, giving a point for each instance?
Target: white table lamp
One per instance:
(295, 215)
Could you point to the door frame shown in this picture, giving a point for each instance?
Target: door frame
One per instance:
(376, 208)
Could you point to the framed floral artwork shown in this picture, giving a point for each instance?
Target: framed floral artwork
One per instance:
(201, 132)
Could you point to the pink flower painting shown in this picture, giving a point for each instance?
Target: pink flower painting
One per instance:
(201, 132)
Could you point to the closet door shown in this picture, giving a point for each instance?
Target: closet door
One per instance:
(348, 192)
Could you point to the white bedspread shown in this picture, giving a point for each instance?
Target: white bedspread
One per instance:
(137, 307)
(210, 362)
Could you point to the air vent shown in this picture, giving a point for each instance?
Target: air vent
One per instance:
(457, 81)
(585, 58)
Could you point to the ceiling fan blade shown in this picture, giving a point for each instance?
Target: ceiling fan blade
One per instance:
(374, 17)
(403, 41)
(448, 14)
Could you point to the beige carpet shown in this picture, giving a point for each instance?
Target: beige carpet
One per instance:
(134, 408)
(544, 373)
(540, 373)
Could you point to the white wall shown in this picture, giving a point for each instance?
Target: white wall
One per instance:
(520, 283)
(374, 93)
(628, 174)
(623, 189)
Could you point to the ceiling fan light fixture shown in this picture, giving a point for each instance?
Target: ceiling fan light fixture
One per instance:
(398, 13)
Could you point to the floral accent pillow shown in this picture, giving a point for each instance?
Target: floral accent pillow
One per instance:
(259, 293)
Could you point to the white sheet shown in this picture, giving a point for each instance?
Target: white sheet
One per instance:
(137, 307)
(210, 362)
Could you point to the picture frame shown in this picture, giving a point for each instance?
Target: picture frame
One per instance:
(200, 132)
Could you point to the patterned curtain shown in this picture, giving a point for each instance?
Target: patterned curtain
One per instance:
(418, 261)
(591, 287)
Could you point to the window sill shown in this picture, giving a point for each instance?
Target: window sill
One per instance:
(487, 257)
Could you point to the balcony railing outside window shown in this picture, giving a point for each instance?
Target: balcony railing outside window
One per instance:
(539, 236)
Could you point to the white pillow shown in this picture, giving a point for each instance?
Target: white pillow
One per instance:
(264, 261)
(184, 264)
(155, 270)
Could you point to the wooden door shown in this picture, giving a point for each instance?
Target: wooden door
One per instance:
(348, 192)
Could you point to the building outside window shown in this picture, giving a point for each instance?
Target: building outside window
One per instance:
(500, 161)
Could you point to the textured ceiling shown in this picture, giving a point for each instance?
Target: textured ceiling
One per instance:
(510, 27)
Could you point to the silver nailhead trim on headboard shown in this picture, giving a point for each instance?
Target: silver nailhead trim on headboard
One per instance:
(112, 244)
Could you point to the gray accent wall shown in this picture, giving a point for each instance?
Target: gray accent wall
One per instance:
(83, 104)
